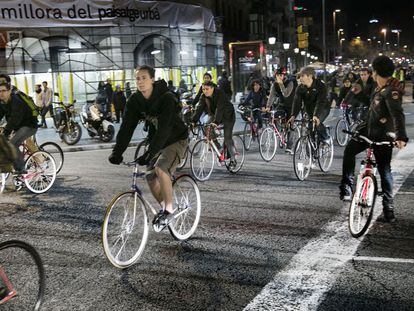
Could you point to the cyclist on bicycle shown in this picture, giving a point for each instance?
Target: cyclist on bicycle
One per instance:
(21, 117)
(312, 93)
(214, 103)
(385, 115)
(167, 136)
(256, 99)
(283, 92)
(206, 78)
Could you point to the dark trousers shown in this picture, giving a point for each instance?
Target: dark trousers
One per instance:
(118, 114)
(382, 155)
(257, 117)
(45, 110)
(321, 128)
(228, 135)
(18, 138)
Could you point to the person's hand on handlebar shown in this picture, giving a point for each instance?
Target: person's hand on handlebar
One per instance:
(213, 124)
(291, 120)
(400, 144)
(316, 120)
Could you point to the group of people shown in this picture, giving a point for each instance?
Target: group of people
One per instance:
(108, 98)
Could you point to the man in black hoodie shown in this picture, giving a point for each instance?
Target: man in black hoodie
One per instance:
(167, 136)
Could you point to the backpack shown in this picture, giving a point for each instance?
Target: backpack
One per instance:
(29, 101)
(8, 155)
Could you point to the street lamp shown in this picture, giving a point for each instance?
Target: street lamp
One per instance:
(303, 53)
(296, 50)
(272, 40)
(384, 31)
(397, 31)
(340, 44)
(334, 29)
(286, 46)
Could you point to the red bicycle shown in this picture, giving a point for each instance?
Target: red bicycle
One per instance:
(366, 190)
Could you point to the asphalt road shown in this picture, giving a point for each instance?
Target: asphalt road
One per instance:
(261, 232)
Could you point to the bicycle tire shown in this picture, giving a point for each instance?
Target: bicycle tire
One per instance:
(124, 226)
(56, 152)
(239, 150)
(7, 262)
(41, 172)
(358, 209)
(141, 148)
(247, 136)
(74, 136)
(202, 160)
(341, 137)
(302, 158)
(268, 144)
(187, 208)
(325, 155)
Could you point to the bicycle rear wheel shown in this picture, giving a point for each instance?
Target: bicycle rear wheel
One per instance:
(187, 208)
(268, 144)
(239, 155)
(325, 155)
(56, 152)
(24, 273)
(3, 178)
(341, 137)
(41, 172)
(302, 158)
(362, 205)
(125, 229)
(202, 160)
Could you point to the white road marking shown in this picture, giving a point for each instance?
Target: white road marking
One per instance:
(315, 268)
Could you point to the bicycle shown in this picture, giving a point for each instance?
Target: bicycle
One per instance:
(54, 150)
(125, 226)
(276, 135)
(309, 149)
(251, 130)
(362, 205)
(22, 276)
(346, 124)
(206, 150)
(41, 172)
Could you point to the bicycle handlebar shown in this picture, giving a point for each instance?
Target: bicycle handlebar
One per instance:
(356, 135)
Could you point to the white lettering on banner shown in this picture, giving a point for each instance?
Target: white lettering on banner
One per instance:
(103, 13)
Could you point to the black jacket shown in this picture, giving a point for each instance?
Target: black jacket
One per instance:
(314, 100)
(363, 98)
(199, 93)
(161, 111)
(18, 114)
(218, 106)
(385, 112)
(119, 100)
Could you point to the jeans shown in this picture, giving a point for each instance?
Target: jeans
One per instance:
(18, 138)
(257, 116)
(382, 155)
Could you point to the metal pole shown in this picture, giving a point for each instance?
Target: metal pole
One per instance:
(324, 40)
(334, 35)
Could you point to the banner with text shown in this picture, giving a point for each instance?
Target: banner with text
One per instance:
(103, 13)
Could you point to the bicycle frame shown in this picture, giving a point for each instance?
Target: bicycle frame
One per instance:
(282, 124)
(9, 286)
(222, 155)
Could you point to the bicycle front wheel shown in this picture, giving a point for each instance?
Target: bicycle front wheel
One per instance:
(41, 172)
(202, 160)
(268, 144)
(22, 272)
(302, 158)
(125, 229)
(56, 152)
(341, 137)
(325, 155)
(247, 136)
(362, 205)
(187, 208)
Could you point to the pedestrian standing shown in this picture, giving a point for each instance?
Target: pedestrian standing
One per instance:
(119, 101)
(127, 90)
(46, 103)
(109, 95)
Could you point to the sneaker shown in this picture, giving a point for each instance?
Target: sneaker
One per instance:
(387, 216)
(289, 151)
(163, 218)
(6, 295)
(345, 194)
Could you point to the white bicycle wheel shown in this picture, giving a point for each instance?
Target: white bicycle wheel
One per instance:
(187, 208)
(341, 137)
(125, 229)
(41, 172)
(325, 155)
(247, 136)
(239, 155)
(362, 205)
(268, 144)
(302, 158)
(3, 178)
(202, 160)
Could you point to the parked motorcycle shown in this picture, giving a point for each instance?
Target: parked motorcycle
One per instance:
(63, 116)
(97, 123)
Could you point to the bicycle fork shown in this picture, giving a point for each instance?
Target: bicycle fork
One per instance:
(9, 291)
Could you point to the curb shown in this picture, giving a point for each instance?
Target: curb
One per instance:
(94, 147)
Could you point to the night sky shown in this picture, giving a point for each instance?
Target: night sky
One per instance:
(392, 14)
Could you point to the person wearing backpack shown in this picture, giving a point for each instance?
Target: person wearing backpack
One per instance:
(21, 118)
